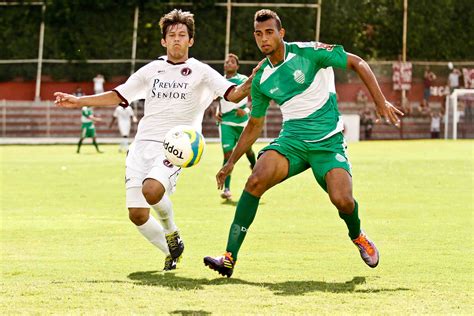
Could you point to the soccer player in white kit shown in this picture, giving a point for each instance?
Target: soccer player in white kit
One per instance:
(124, 117)
(177, 90)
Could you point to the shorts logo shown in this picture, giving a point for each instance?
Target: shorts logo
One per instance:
(299, 77)
(186, 71)
(340, 158)
(167, 163)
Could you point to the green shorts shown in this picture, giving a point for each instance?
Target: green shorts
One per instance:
(321, 156)
(87, 131)
(230, 136)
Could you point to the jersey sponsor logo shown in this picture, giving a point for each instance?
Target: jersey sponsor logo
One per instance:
(160, 71)
(167, 163)
(171, 89)
(299, 76)
(320, 45)
(186, 71)
(273, 90)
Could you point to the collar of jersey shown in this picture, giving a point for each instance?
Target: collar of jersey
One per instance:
(281, 62)
(170, 62)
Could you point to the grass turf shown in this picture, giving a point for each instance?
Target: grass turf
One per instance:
(67, 245)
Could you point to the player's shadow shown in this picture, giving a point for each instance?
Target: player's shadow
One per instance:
(190, 313)
(174, 282)
(234, 203)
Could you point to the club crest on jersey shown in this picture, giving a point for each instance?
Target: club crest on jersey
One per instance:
(167, 163)
(186, 71)
(299, 77)
(320, 45)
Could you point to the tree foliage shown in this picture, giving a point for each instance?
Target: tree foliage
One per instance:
(88, 29)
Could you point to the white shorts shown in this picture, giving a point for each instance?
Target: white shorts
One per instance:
(146, 159)
(124, 128)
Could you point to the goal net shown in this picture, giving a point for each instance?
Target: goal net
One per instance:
(459, 111)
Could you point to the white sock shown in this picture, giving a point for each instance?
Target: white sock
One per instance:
(153, 231)
(164, 210)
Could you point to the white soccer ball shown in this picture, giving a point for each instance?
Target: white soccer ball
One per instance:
(183, 146)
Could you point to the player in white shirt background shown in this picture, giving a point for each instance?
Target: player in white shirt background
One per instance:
(124, 117)
(177, 90)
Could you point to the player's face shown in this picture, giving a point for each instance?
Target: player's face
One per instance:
(267, 36)
(230, 65)
(177, 42)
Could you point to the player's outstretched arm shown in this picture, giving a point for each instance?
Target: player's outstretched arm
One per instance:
(65, 100)
(243, 90)
(246, 140)
(384, 109)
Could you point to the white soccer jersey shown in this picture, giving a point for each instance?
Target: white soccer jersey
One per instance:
(175, 94)
(123, 116)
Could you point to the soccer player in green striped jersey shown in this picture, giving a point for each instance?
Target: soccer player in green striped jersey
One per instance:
(300, 79)
(88, 128)
(232, 117)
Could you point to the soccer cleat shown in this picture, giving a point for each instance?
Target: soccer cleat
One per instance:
(367, 249)
(170, 263)
(224, 265)
(175, 244)
(226, 194)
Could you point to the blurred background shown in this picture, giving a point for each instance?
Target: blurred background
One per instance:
(420, 51)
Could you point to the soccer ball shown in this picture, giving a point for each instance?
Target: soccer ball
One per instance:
(183, 146)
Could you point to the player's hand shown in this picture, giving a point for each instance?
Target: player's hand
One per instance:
(223, 173)
(240, 112)
(65, 100)
(389, 113)
(254, 71)
(218, 116)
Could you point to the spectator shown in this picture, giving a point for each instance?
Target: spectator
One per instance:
(429, 77)
(98, 84)
(79, 92)
(367, 121)
(423, 108)
(453, 79)
(435, 124)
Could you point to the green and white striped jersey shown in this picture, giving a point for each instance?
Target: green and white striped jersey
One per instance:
(86, 112)
(302, 85)
(229, 109)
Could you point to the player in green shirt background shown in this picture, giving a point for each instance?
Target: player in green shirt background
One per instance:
(232, 118)
(88, 127)
(300, 79)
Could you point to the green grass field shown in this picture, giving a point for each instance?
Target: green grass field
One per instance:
(67, 245)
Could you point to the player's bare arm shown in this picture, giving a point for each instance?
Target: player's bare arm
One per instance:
(243, 90)
(109, 98)
(246, 140)
(384, 109)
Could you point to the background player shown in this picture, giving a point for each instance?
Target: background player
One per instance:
(300, 79)
(177, 90)
(232, 117)
(88, 127)
(124, 117)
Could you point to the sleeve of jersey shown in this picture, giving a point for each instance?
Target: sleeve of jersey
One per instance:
(260, 102)
(133, 89)
(330, 56)
(218, 83)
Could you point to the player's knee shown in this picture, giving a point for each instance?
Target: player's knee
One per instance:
(152, 195)
(255, 185)
(343, 202)
(138, 217)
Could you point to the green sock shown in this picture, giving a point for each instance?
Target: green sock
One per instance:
(251, 159)
(79, 145)
(244, 215)
(96, 146)
(352, 221)
(227, 179)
